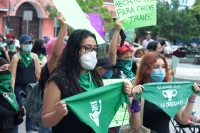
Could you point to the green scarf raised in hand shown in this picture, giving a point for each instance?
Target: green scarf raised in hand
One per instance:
(26, 58)
(86, 82)
(169, 96)
(97, 108)
(7, 91)
(125, 65)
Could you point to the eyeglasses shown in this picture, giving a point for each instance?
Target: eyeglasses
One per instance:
(89, 49)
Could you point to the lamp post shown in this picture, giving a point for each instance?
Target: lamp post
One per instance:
(8, 17)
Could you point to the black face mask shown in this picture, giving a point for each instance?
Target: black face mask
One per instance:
(5, 72)
(43, 50)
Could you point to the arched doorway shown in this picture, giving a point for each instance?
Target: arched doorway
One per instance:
(19, 25)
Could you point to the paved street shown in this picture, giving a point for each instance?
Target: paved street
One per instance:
(183, 72)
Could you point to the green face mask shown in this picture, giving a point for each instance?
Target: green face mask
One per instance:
(125, 65)
(11, 47)
(169, 96)
(7, 91)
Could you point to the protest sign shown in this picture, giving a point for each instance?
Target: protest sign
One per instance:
(136, 13)
(119, 116)
(96, 22)
(175, 61)
(130, 33)
(75, 17)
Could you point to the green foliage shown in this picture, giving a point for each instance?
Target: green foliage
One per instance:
(173, 23)
(89, 6)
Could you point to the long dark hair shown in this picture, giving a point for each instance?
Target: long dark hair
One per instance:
(37, 47)
(69, 63)
(152, 45)
(2, 37)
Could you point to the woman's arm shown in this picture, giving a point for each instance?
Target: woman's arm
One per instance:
(43, 62)
(6, 54)
(53, 110)
(112, 53)
(58, 45)
(184, 114)
(13, 67)
(37, 63)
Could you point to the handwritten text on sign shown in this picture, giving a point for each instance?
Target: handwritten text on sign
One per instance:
(119, 116)
(136, 13)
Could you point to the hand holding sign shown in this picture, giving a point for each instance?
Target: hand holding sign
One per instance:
(60, 18)
(118, 24)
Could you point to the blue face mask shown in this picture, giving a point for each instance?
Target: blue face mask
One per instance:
(108, 74)
(158, 75)
(27, 47)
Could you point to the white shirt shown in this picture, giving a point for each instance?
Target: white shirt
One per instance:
(146, 42)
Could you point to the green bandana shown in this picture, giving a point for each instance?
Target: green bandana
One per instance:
(96, 108)
(41, 57)
(7, 91)
(169, 96)
(11, 47)
(26, 58)
(125, 65)
(86, 81)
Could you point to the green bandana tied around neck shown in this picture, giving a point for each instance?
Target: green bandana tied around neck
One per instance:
(125, 65)
(11, 47)
(86, 81)
(26, 58)
(169, 96)
(7, 91)
(97, 108)
(41, 57)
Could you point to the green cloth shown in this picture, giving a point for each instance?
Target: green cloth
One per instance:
(175, 61)
(169, 96)
(125, 65)
(1, 50)
(86, 82)
(11, 47)
(26, 58)
(97, 107)
(7, 91)
(41, 57)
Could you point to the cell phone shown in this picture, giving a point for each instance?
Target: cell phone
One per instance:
(22, 93)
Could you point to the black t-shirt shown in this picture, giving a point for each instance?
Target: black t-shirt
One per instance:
(7, 114)
(155, 118)
(69, 123)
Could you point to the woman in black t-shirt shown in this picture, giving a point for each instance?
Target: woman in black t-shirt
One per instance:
(75, 67)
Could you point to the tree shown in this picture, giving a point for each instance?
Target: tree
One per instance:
(89, 6)
(173, 23)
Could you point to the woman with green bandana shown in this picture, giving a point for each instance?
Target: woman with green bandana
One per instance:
(12, 50)
(8, 104)
(40, 49)
(74, 73)
(121, 56)
(154, 68)
(25, 69)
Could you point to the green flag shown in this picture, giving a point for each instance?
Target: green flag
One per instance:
(98, 106)
(130, 33)
(136, 13)
(169, 96)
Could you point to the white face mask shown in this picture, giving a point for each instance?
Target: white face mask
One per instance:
(88, 60)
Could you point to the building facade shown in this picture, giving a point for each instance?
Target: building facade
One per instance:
(11, 17)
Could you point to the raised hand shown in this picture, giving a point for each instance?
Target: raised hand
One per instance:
(60, 18)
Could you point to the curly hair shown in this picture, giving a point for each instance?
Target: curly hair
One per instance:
(147, 66)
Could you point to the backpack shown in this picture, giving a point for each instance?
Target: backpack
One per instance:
(34, 102)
